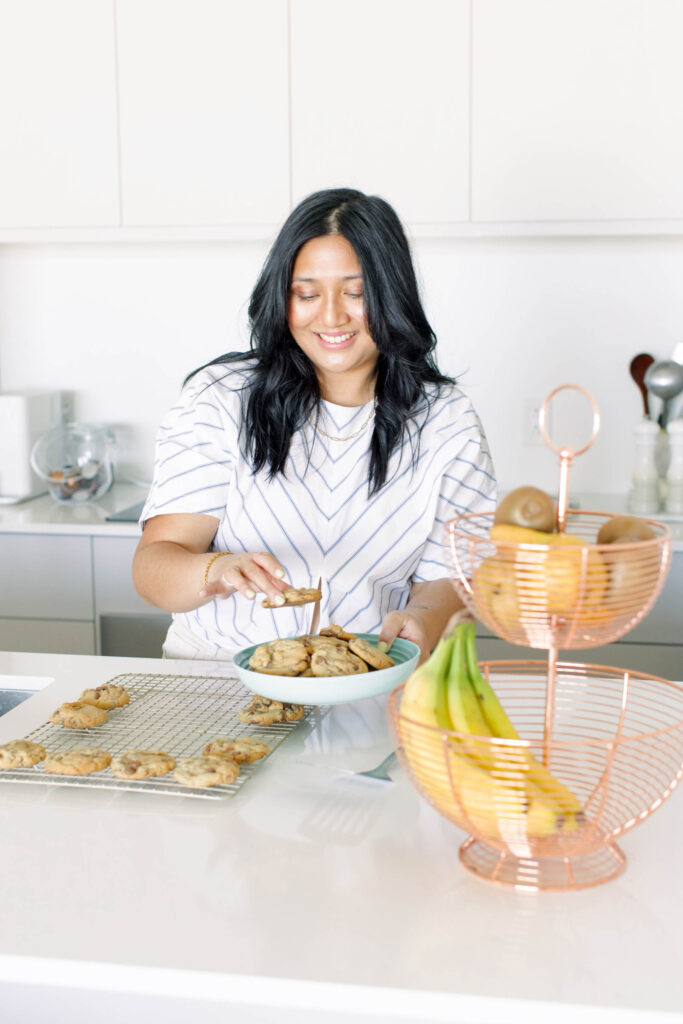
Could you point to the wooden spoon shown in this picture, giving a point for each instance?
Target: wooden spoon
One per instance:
(639, 367)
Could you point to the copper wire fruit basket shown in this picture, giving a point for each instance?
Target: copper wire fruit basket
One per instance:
(602, 747)
(616, 745)
(568, 597)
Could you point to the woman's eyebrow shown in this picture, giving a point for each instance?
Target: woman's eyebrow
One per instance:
(348, 277)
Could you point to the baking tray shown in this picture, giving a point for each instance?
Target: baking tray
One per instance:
(176, 714)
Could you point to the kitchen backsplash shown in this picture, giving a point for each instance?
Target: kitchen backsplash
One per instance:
(119, 326)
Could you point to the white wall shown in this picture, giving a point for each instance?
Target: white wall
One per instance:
(120, 325)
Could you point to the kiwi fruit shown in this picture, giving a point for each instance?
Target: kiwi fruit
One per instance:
(527, 506)
(624, 530)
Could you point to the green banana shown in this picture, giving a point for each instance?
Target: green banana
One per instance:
(463, 707)
(492, 710)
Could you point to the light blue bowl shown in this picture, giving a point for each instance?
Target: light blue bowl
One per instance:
(331, 689)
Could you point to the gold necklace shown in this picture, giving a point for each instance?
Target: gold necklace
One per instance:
(331, 437)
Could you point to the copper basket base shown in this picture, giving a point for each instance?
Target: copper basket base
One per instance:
(548, 874)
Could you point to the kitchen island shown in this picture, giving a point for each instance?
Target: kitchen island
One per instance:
(308, 896)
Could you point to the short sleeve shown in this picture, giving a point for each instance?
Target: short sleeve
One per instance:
(195, 451)
(467, 482)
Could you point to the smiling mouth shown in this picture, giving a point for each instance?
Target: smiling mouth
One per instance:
(336, 339)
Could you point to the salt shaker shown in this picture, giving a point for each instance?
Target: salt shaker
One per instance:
(643, 498)
(674, 476)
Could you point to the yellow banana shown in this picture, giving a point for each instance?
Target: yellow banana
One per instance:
(503, 794)
(500, 725)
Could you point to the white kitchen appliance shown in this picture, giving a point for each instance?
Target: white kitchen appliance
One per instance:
(24, 417)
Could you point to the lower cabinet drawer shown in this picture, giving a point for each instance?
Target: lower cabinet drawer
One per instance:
(664, 660)
(133, 636)
(47, 636)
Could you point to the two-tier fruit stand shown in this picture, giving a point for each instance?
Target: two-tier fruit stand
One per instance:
(613, 737)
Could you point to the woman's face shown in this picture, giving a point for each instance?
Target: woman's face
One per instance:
(327, 318)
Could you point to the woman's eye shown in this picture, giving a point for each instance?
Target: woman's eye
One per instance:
(306, 298)
(355, 295)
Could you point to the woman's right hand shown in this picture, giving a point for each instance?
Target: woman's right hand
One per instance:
(172, 558)
(248, 574)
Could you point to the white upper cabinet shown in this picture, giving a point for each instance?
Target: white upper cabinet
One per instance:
(380, 102)
(203, 111)
(576, 110)
(57, 114)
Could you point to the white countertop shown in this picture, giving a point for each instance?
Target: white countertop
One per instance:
(306, 897)
(45, 515)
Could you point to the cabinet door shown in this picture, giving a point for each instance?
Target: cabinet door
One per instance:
(576, 110)
(380, 101)
(126, 626)
(58, 151)
(45, 577)
(204, 111)
(47, 636)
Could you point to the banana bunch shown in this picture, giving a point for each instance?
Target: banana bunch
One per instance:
(493, 789)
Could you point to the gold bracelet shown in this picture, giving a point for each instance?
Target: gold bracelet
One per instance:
(218, 554)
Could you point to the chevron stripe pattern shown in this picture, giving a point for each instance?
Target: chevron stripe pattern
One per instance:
(317, 519)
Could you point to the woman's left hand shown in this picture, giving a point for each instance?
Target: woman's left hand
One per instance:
(424, 618)
(408, 626)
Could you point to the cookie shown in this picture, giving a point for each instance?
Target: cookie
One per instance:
(374, 657)
(334, 630)
(108, 697)
(331, 661)
(313, 642)
(264, 711)
(280, 658)
(77, 761)
(243, 750)
(206, 771)
(77, 715)
(20, 754)
(294, 596)
(141, 764)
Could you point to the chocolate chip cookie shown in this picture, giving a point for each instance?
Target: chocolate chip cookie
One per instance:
(374, 657)
(142, 764)
(20, 754)
(77, 761)
(328, 660)
(77, 715)
(108, 697)
(243, 750)
(206, 771)
(294, 596)
(280, 658)
(264, 711)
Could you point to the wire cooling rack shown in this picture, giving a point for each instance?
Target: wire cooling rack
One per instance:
(175, 714)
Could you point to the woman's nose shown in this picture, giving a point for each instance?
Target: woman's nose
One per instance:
(334, 313)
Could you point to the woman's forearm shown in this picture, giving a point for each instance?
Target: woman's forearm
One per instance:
(433, 604)
(169, 576)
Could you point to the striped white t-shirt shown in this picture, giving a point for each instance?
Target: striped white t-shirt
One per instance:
(317, 518)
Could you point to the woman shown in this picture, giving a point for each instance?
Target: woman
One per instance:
(334, 448)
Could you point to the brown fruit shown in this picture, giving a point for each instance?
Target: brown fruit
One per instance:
(624, 530)
(527, 506)
(633, 571)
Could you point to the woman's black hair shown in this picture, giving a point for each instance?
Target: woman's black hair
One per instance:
(284, 388)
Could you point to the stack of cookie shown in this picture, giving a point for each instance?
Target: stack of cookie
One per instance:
(332, 652)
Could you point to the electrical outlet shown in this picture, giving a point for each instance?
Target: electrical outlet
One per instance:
(531, 434)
